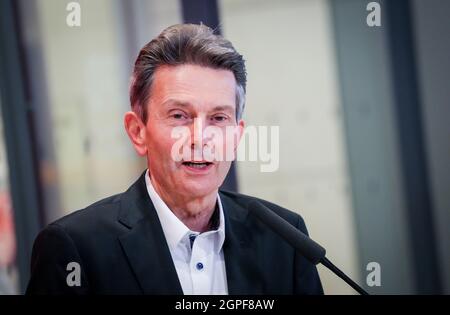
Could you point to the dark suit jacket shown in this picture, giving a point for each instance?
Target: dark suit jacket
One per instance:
(121, 249)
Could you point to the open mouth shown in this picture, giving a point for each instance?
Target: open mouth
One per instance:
(197, 165)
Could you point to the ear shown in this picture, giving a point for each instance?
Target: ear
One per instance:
(135, 129)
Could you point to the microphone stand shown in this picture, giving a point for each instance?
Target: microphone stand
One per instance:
(324, 261)
(305, 245)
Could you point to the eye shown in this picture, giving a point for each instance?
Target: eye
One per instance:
(220, 118)
(178, 116)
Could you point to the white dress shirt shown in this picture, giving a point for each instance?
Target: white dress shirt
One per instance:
(200, 269)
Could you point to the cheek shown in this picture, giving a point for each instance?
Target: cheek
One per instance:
(160, 145)
(222, 171)
(230, 144)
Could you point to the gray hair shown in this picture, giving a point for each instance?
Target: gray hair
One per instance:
(185, 44)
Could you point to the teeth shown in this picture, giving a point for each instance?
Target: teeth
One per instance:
(196, 165)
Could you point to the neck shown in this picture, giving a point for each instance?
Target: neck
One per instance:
(194, 212)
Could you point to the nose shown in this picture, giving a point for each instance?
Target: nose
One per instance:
(198, 135)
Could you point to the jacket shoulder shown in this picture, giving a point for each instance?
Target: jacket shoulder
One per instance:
(243, 200)
(101, 213)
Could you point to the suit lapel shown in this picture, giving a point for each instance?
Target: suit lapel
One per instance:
(148, 254)
(241, 251)
(144, 244)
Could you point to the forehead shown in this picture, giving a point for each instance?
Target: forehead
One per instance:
(198, 85)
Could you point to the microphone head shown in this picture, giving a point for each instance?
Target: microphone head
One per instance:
(299, 240)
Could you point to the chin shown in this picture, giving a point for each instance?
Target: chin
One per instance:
(199, 188)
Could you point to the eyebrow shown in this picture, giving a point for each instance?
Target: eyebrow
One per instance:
(172, 102)
(223, 108)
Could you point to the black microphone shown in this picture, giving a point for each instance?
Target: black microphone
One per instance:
(306, 246)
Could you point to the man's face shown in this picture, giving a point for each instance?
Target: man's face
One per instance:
(193, 99)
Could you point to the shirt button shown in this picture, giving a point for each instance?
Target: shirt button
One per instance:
(199, 266)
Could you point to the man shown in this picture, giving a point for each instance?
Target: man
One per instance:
(172, 231)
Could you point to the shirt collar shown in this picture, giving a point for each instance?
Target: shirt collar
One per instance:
(174, 229)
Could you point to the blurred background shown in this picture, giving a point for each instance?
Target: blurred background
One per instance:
(363, 112)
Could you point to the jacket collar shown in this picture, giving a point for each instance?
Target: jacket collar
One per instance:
(241, 248)
(144, 244)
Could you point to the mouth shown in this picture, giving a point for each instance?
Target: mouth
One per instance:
(197, 166)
